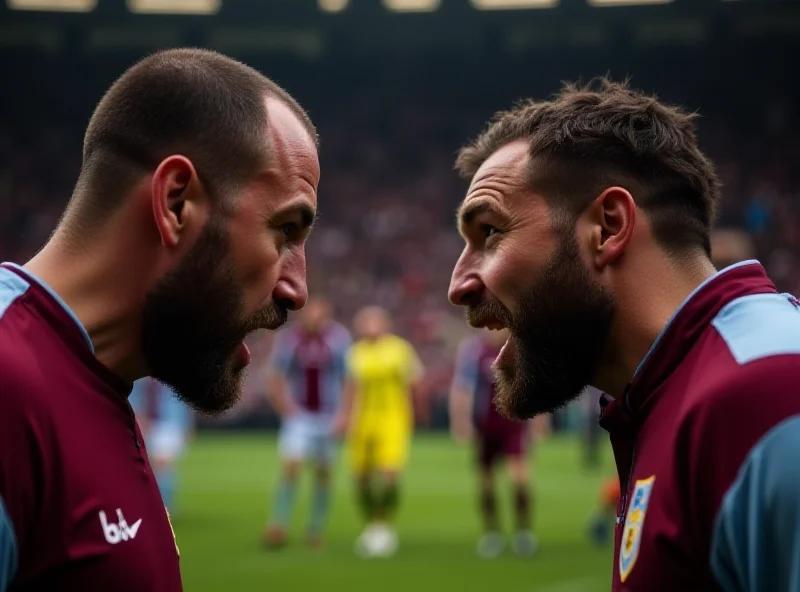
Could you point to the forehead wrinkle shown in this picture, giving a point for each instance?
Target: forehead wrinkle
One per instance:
(293, 171)
(501, 177)
(497, 178)
(494, 191)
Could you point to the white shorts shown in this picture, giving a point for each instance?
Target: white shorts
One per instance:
(166, 441)
(307, 437)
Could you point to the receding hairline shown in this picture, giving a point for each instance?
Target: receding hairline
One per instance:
(498, 133)
(518, 157)
(187, 66)
(517, 165)
(293, 107)
(588, 137)
(277, 126)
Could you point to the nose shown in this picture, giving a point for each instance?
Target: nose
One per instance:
(465, 285)
(291, 295)
(291, 289)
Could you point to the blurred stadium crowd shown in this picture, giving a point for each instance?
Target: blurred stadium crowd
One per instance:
(386, 233)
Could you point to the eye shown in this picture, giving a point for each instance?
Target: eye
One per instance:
(290, 230)
(488, 230)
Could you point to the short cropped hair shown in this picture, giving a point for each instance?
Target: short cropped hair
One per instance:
(590, 137)
(194, 102)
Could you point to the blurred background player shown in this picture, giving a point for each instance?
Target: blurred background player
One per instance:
(593, 435)
(473, 416)
(306, 375)
(602, 523)
(602, 520)
(166, 425)
(384, 376)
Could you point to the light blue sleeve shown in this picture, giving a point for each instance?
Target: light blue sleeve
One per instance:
(466, 372)
(136, 398)
(172, 409)
(756, 541)
(169, 407)
(8, 549)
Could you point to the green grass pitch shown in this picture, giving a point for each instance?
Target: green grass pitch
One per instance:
(226, 482)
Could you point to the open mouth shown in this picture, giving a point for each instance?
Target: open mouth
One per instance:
(486, 322)
(493, 323)
(507, 351)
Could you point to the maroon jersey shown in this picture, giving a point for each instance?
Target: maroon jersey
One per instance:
(80, 508)
(705, 444)
(314, 365)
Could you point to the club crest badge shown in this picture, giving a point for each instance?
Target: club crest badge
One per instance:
(634, 522)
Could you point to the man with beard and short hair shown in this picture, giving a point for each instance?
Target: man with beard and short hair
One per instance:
(185, 233)
(474, 417)
(587, 227)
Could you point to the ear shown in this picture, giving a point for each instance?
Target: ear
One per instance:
(614, 219)
(179, 201)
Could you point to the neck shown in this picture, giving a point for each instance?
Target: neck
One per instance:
(644, 308)
(101, 292)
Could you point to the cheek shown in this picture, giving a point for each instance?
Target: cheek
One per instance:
(257, 263)
(510, 270)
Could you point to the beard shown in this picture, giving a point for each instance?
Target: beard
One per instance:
(557, 337)
(193, 324)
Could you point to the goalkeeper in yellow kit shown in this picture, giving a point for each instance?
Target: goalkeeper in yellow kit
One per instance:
(384, 373)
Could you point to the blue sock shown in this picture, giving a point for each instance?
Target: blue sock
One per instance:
(166, 483)
(284, 501)
(319, 507)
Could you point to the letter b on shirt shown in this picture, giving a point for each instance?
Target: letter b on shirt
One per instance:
(121, 531)
(111, 531)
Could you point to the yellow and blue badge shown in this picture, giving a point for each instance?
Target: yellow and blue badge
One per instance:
(634, 522)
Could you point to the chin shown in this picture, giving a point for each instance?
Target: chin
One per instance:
(522, 395)
(214, 395)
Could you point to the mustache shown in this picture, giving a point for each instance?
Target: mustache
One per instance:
(270, 317)
(488, 311)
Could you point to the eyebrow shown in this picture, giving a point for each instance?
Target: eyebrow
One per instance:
(468, 212)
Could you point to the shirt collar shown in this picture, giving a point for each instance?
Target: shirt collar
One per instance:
(60, 301)
(688, 299)
(689, 322)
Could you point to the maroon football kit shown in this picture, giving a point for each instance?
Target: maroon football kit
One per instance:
(707, 444)
(79, 505)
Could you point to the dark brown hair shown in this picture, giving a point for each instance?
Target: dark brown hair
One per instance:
(590, 137)
(194, 102)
